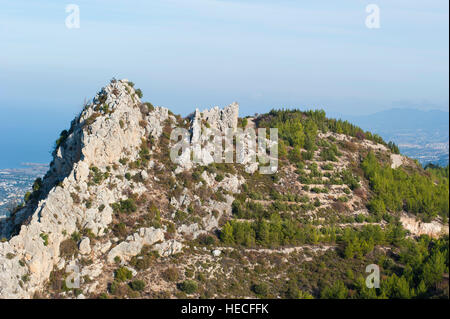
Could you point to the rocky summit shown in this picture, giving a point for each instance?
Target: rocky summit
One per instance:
(114, 217)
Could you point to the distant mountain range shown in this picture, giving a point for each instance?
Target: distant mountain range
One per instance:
(423, 135)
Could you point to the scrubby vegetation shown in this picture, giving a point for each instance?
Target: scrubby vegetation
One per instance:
(189, 286)
(125, 206)
(300, 128)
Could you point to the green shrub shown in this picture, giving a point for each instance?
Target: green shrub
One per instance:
(123, 274)
(141, 262)
(207, 240)
(137, 285)
(26, 278)
(343, 199)
(170, 274)
(150, 106)
(337, 291)
(91, 119)
(180, 216)
(309, 155)
(350, 180)
(76, 236)
(139, 93)
(261, 289)
(120, 230)
(125, 206)
(88, 203)
(96, 176)
(189, 286)
(244, 122)
(44, 237)
(62, 138)
(27, 197)
(305, 295)
(170, 228)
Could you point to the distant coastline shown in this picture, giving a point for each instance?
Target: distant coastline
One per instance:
(15, 182)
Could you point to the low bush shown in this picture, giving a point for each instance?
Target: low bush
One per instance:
(68, 248)
(137, 285)
(125, 206)
(189, 286)
(123, 274)
(170, 274)
(261, 289)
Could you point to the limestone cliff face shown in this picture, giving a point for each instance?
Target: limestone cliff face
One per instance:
(108, 129)
(83, 176)
(219, 119)
(416, 227)
(206, 125)
(209, 129)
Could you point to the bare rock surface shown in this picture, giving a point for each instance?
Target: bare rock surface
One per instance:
(417, 227)
(134, 243)
(107, 130)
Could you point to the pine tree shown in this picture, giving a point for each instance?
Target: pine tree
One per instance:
(227, 234)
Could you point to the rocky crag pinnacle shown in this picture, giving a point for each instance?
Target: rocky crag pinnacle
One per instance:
(204, 126)
(81, 186)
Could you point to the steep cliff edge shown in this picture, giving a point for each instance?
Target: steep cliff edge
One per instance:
(113, 137)
(108, 129)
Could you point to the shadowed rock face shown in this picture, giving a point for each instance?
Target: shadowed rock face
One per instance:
(109, 129)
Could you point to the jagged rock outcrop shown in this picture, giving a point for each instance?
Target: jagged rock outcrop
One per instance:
(85, 246)
(207, 125)
(397, 160)
(134, 243)
(107, 130)
(208, 131)
(107, 133)
(416, 227)
(219, 119)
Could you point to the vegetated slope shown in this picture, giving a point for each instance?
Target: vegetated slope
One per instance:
(135, 225)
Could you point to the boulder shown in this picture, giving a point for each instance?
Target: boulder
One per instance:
(85, 246)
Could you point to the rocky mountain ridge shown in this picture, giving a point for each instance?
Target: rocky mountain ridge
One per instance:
(97, 137)
(114, 124)
(112, 197)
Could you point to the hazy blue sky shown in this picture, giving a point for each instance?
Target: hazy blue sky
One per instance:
(200, 53)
